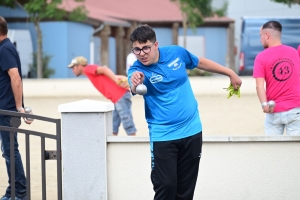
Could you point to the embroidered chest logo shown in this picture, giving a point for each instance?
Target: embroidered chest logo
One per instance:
(155, 78)
(175, 64)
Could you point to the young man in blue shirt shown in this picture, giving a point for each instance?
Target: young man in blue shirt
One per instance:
(171, 111)
(11, 98)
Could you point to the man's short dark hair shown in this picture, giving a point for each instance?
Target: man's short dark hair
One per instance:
(142, 34)
(3, 26)
(275, 25)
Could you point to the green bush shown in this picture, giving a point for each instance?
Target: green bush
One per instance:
(198, 72)
(47, 72)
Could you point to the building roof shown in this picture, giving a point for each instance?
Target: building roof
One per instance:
(122, 12)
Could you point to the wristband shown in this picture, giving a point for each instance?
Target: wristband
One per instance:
(19, 109)
(263, 104)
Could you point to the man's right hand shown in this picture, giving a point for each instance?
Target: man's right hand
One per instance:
(137, 78)
(22, 110)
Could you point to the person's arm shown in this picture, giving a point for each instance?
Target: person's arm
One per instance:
(17, 88)
(136, 78)
(107, 72)
(16, 85)
(261, 93)
(118, 79)
(211, 66)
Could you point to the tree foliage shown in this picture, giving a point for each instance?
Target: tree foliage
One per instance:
(47, 71)
(288, 2)
(196, 10)
(43, 9)
(39, 10)
(7, 3)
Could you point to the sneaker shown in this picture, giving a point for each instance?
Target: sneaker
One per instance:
(8, 198)
(23, 198)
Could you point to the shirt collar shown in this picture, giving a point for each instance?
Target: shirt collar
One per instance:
(3, 41)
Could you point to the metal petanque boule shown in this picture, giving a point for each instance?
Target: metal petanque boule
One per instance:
(28, 110)
(141, 89)
(271, 104)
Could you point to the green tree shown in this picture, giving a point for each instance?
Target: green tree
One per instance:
(47, 71)
(8, 3)
(288, 2)
(39, 10)
(194, 12)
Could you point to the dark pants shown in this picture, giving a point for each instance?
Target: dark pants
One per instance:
(175, 166)
(20, 180)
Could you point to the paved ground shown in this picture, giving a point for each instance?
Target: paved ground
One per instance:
(220, 116)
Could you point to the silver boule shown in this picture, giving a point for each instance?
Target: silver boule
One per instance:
(141, 89)
(28, 110)
(271, 103)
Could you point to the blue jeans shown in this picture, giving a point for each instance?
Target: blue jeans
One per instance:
(122, 113)
(20, 181)
(275, 123)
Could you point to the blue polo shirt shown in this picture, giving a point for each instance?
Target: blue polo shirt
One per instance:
(171, 109)
(9, 58)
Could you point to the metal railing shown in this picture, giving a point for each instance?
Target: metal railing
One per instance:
(45, 155)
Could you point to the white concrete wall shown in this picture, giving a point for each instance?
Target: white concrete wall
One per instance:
(231, 168)
(85, 127)
(82, 87)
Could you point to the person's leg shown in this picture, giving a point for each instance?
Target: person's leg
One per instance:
(123, 107)
(20, 179)
(274, 124)
(293, 125)
(116, 122)
(164, 169)
(188, 166)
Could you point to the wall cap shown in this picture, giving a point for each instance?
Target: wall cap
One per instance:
(86, 105)
(211, 139)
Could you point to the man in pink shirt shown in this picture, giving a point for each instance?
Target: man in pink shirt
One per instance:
(278, 67)
(299, 50)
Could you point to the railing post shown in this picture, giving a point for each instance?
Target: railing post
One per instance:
(85, 126)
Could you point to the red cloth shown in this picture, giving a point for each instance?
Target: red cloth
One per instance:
(104, 84)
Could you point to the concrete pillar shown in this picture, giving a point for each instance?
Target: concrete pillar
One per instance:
(104, 35)
(127, 43)
(230, 55)
(121, 59)
(85, 127)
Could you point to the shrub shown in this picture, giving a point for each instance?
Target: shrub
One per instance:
(198, 72)
(47, 72)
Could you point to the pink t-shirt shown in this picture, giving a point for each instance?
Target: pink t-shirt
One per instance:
(299, 50)
(280, 67)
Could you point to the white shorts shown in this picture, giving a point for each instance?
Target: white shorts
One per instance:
(276, 122)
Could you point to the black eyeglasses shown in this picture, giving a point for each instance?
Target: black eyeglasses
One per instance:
(145, 49)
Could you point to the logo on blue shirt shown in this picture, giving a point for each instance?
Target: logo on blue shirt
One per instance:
(175, 64)
(155, 78)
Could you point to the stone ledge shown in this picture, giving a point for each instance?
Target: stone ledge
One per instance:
(211, 139)
(82, 87)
